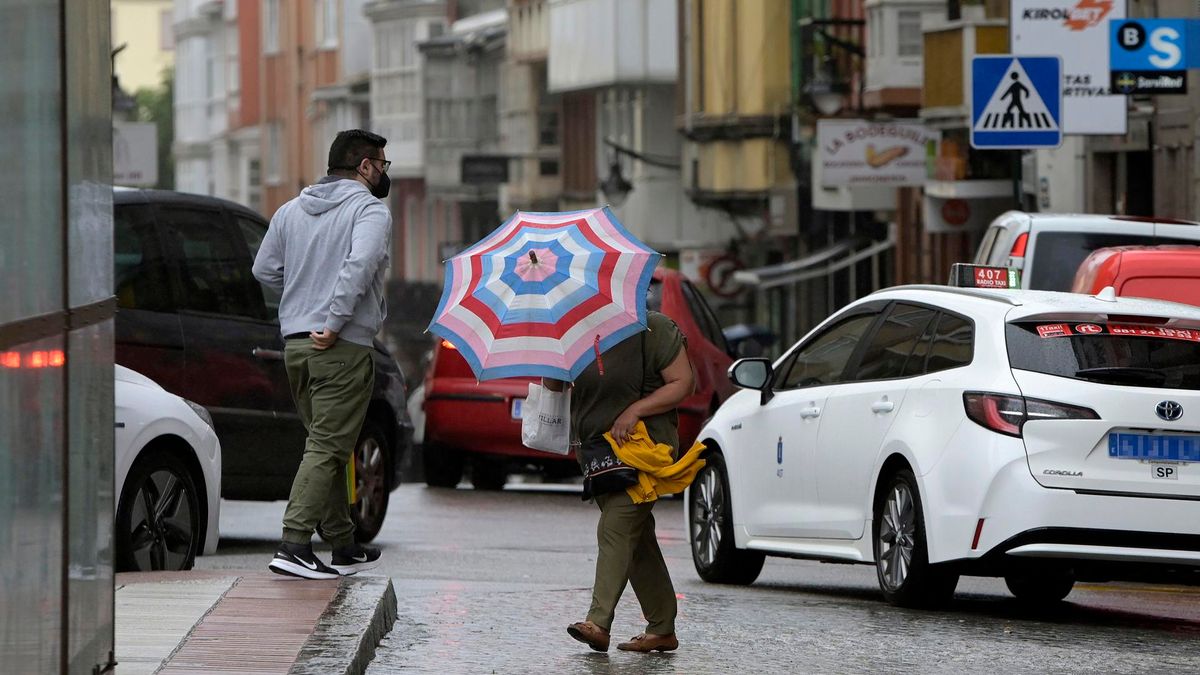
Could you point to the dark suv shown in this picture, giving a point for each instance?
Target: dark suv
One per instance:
(193, 319)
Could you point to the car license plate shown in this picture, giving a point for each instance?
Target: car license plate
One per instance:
(1160, 447)
(517, 404)
(1165, 470)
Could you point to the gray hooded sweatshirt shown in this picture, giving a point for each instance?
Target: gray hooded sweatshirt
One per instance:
(326, 251)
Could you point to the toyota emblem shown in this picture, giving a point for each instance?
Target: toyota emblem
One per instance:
(1169, 410)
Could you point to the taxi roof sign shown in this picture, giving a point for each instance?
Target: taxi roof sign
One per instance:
(963, 275)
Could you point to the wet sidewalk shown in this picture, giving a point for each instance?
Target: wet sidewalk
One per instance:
(178, 623)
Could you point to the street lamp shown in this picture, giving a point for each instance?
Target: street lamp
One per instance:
(615, 187)
(826, 92)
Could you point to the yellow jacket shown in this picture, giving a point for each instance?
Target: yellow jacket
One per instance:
(657, 473)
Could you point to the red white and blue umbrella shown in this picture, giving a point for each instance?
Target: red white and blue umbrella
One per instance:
(545, 294)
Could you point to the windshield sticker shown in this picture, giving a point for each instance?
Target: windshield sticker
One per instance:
(1156, 331)
(1050, 330)
(1055, 330)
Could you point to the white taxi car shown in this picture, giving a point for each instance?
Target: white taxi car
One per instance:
(939, 431)
(168, 477)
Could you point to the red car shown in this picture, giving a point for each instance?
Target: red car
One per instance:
(1166, 272)
(479, 423)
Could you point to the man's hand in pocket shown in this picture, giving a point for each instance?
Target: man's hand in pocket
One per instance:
(324, 340)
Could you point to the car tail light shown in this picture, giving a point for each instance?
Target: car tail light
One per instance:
(1007, 415)
(446, 345)
(1018, 249)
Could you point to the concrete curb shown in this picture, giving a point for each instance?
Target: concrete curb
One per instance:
(344, 641)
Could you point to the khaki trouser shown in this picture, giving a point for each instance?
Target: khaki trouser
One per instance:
(332, 389)
(629, 552)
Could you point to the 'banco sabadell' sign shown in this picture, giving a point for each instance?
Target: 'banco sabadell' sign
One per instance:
(862, 152)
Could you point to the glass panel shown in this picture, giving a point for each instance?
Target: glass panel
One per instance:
(1059, 254)
(823, 360)
(91, 490)
(214, 268)
(953, 344)
(30, 111)
(31, 495)
(88, 151)
(254, 231)
(1144, 356)
(889, 350)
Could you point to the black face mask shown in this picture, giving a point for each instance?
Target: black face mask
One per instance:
(381, 189)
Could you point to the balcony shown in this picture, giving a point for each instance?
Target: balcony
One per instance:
(894, 51)
(605, 43)
(949, 48)
(528, 30)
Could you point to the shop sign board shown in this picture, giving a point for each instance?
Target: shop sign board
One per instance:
(858, 153)
(1078, 31)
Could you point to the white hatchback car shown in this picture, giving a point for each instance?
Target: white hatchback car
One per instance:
(168, 476)
(936, 431)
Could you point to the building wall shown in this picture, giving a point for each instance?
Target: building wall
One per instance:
(145, 27)
(292, 75)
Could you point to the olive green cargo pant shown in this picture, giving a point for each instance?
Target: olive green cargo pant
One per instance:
(629, 552)
(332, 389)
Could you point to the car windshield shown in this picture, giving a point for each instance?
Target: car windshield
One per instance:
(1120, 354)
(1059, 254)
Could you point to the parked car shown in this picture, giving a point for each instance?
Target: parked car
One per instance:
(168, 477)
(479, 423)
(193, 318)
(1162, 272)
(935, 432)
(1049, 247)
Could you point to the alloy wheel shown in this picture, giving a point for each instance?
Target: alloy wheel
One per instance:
(708, 516)
(369, 478)
(897, 536)
(162, 525)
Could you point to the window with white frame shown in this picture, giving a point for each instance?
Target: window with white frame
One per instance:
(232, 51)
(166, 29)
(326, 14)
(274, 153)
(908, 30)
(874, 32)
(270, 22)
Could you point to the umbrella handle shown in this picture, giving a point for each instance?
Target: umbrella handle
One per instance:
(599, 361)
(533, 257)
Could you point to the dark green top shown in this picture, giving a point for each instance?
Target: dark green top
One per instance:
(597, 400)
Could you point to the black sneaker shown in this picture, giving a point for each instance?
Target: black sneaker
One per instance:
(355, 558)
(298, 560)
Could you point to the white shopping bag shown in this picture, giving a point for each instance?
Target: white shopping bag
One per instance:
(546, 420)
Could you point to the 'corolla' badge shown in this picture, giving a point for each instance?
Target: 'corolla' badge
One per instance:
(1169, 410)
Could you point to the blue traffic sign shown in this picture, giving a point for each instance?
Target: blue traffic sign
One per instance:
(1016, 102)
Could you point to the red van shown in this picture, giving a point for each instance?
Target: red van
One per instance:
(479, 423)
(1168, 272)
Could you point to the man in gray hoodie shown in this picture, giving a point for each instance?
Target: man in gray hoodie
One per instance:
(326, 251)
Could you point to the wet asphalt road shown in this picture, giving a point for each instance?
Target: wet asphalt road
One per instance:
(487, 582)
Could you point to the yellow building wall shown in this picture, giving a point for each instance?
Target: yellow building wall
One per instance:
(139, 24)
(945, 62)
(763, 57)
(746, 54)
(744, 166)
(745, 51)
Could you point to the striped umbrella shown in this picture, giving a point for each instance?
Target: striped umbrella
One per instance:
(545, 294)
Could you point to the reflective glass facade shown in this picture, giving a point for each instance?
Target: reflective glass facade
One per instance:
(56, 337)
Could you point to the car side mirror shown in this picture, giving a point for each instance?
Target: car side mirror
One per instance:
(752, 374)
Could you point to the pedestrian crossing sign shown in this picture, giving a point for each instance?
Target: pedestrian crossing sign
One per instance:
(1016, 102)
